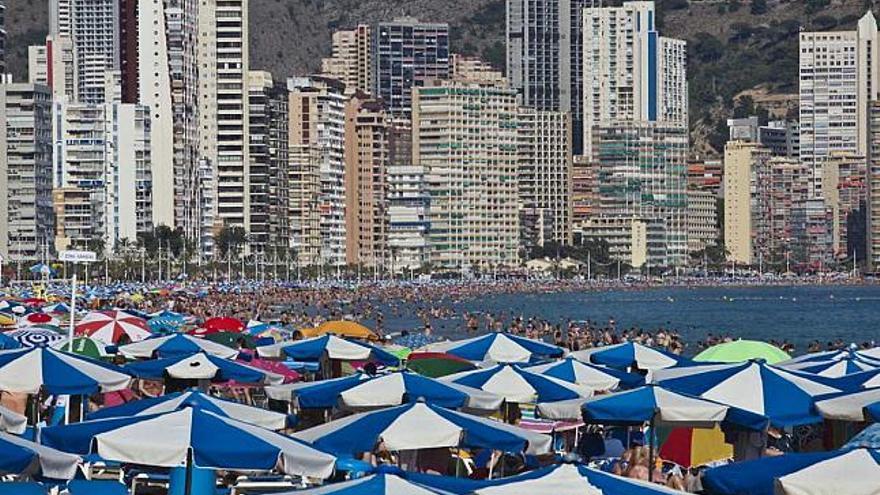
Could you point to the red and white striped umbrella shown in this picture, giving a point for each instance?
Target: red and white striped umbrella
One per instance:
(110, 326)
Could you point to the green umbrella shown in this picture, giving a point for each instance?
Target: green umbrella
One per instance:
(86, 346)
(232, 339)
(436, 364)
(743, 350)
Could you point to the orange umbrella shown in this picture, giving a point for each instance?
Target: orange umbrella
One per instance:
(342, 328)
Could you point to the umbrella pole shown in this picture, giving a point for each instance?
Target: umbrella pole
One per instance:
(651, 451)
(187, 488)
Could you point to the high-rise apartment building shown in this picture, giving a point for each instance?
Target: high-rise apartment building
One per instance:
(222, 56)
(474, 69)
(642, 172)
(839, 76)
(544, 56)
(26, 222)
(844, 187)
(741, 159)
(94, 28)
(702, 219)
(545, 172)
(367, 158)
(2, 38)
(317, 170)
(269, 161)
(465, 137)
(631, 73)
(351, 60)
(406, 54)
(873, 185)
(408, 224)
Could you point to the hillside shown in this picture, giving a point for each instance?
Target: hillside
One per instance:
(736, 46)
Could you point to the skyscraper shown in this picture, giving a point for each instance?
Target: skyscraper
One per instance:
(465, 137)
(406, 54)
(350, 61)
(839, 76)
(631, 73)
(544, 56)
(94, 29)
(2, 38)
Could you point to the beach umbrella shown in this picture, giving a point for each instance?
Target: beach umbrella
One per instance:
(190, 435)
(37, 319)
(57, 308)
(374, 484)
(519, 385)
(7, 320)
(392, 389)
(111, 326)
(437, 364)
(559, 479)
(855, 473)
(758, 477)
(12, 422)
(7, 342)
(13, 307)
(270, 420)
(743, 350)
(223, 324)
(166, 322)
(592, 376)
(233, 339)
(330, 345)
(341, 328)
(869, 438)
(28, 370)
(84, 346)
(497, 348)
(175, 345)
(421, 426)
(42, 269)
(655, 405)
(863, 405)
(200, 366)
(629, 354)
(20, 456)
(279, 368)
(692, 447)
(783, 396)
(35, 337)
(833, 364)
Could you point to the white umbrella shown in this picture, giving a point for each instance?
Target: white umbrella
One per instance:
(854, 473)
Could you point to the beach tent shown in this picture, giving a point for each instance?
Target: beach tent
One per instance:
(330, 345)
(757, 477)
(784, 397)
(738, 351)
(35, 337)
(653, 404)
(519, 385)
(20, 456)
(29, 370)
(374, 484)
(561, 479)
(342, 328)
(497, 348)
(206, 439)
(858, 406)
(393, 389)
(595, 377)
(855, 473)
(629, 354)
(421, 426)
(111, 326)
(201, 366)
(270, 420)
(12, 422)
(175, 345)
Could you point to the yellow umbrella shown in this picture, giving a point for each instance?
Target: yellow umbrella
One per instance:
(7, 320)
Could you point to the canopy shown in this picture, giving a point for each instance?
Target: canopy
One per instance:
(20, 456)
(743, 350)
(374, 484)
(519, 385)
(342, 328)
(757, 477)
(35, 337)
(854, 473)
(175, 345)
(784, 397)
(335, 348)
(653, 403)
(629, 354)
(201, 367)
(12, 422)
(421, 426)
(595, 377)
(27, 370)
(111, 326)
(216, 442)
(851, 406)
(392, 390)
(264, 418)
(497, 348)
